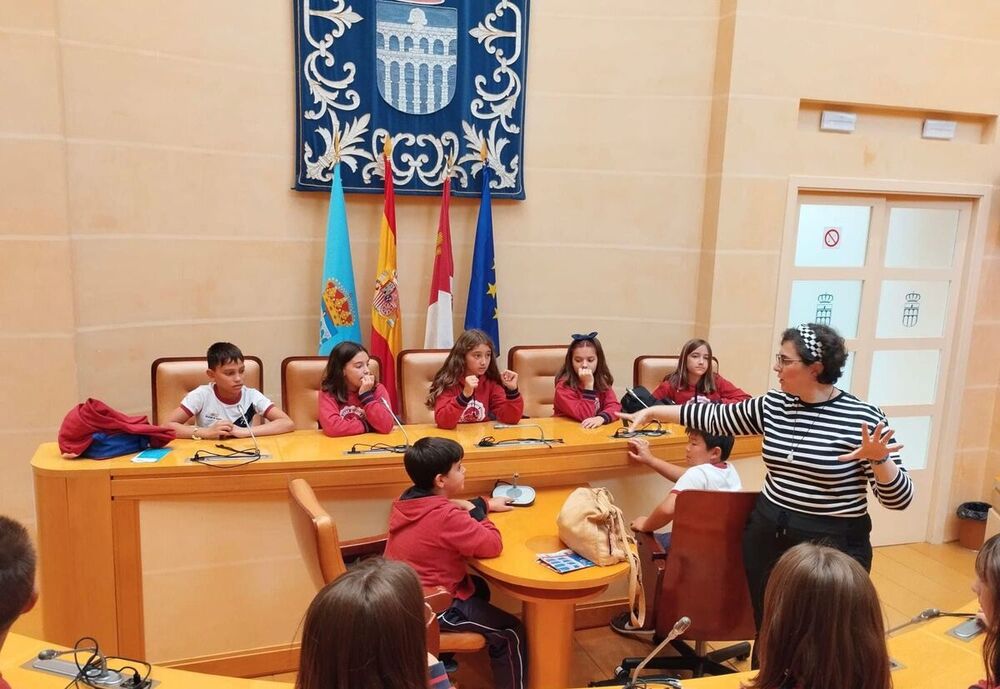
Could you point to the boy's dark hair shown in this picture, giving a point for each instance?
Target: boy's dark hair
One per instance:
(222, 353)
(17, 570)
(429, 457)
(723, 442)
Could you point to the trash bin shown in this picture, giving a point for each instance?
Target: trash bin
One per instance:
(972, 524)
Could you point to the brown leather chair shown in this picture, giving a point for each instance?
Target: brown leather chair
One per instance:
(416, 369)
(649, 370)
(536, 367)
(701, 577)
(173, 377)
(325, 556)
(301, 377)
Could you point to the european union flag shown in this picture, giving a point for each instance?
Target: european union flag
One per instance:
(481, 308)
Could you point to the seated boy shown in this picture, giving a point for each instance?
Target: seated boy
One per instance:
(17, 577)
(435, 533)
(224, 408)
(707, 469)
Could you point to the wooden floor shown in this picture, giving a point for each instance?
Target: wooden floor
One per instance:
(909, 578)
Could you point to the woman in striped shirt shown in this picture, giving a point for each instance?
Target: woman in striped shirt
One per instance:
(823, 448)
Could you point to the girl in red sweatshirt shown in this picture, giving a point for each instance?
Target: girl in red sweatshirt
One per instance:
(583, 384)
(695, 378)
(987, 589)
(469, 387)
(350, 401)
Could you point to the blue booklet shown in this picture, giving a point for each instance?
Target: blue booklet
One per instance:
(563, 561)
(152, 455)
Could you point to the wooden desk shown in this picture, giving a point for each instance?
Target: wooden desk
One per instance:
(19, 649)
(549, 598)
(929, 658)
(89, 524)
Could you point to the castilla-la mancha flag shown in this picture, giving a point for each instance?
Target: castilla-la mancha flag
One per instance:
(440, 332)
(387, 322)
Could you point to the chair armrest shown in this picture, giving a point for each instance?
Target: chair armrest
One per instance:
(648, 545)
(438, 598)
(363, 547)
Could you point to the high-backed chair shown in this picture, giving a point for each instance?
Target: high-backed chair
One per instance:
(301, 378)
(649, 370)
(702, 577)
(325, 556)
(536, 367)
(416, 369)
(173, 377)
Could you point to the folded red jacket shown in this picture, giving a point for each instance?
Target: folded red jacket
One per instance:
(94, 416)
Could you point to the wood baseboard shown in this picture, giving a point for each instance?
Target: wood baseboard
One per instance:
(274, 660)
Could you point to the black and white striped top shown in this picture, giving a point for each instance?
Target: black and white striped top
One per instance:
(814, 481)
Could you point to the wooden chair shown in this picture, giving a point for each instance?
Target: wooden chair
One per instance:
(173, 377)
(649, 370)
(325, 556)
(702, 577)
(536, 367)
(416, 369)
(301, 378)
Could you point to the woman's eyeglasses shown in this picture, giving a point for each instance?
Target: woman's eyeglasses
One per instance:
(781, 360)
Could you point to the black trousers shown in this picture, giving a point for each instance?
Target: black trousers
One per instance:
(771, 530)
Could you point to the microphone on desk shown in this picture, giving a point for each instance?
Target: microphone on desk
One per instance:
(406, 438)
(928, 614)
(519, 496)
(680, 626)
(93, 672)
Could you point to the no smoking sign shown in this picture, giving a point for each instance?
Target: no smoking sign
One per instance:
(831, 237)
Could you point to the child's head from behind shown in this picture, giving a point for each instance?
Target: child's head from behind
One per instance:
(585, 351)
(472, 354)
(987, 589)
(17, 572)
(345, 367)
(226, 368)
(705, 448)
(822, 625)
(435, 464)
(366, 629)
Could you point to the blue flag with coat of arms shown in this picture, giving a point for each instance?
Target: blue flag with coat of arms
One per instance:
(338, 320)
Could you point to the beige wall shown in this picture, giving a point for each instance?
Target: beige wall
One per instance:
(146, 154)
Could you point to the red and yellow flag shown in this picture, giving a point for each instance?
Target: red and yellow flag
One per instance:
(387, 322)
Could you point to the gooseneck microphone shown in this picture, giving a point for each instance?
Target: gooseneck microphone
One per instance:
(94, 672)
(680, 626)
(399, 424)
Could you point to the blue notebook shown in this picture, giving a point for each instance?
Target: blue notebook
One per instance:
(563, 561)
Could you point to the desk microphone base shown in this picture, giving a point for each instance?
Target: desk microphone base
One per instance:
(520, 496)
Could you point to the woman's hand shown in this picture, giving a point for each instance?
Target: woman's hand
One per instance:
(637, 419)
(874, 446)
(593, 422)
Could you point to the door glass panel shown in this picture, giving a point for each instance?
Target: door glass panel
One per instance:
(915, 433)
(921, 238)
(900, 377)
(912, 308)
(844, 382)
(828, 302)
(832, 235)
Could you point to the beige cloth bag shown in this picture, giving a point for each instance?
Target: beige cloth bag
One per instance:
(592, 525)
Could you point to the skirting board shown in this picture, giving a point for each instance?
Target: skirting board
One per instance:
(274, 660)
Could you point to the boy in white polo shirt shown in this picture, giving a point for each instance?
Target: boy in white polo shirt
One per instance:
(707, 469)
(224, 407)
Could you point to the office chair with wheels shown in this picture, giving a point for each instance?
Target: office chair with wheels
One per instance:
(702, 577)
(325, 556)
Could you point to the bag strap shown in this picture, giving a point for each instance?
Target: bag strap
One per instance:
(636, 592)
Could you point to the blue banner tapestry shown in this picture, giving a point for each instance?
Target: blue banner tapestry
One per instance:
(443, 78)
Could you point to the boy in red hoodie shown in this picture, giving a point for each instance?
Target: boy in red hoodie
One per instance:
(17, 577)
(435, 534)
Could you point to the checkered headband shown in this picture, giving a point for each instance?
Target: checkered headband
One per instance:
(811, 342)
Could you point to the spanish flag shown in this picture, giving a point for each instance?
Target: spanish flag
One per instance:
(387, 322)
